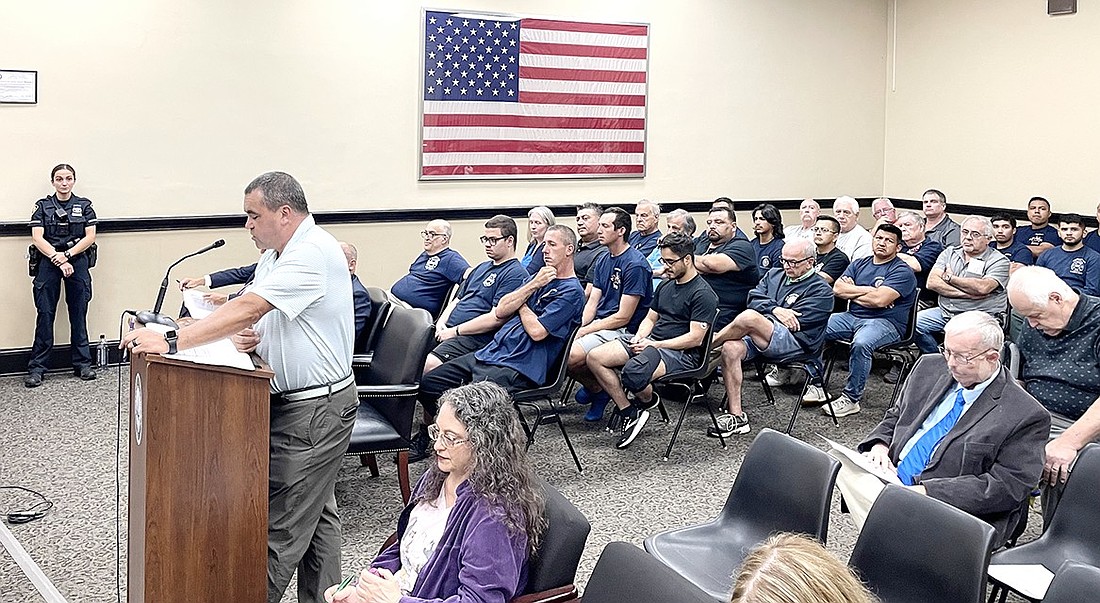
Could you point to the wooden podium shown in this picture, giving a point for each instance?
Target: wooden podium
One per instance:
(198, 482)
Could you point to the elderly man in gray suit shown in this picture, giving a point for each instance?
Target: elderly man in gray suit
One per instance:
(963, 431)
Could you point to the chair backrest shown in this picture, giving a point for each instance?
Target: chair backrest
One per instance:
(911, 323)
(562, 544)
(1074, 582)
(1076, 522)
(379, 311)
(783, 485)
(1010, 358)
(401, 348)
(914, 548)
(625, 573)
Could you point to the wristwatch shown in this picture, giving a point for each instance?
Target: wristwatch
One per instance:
(171, 337)
(68, 256)
(947, 277)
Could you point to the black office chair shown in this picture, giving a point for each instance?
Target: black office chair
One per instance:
(625, 574)
(551, 572)
(902, 351)
(1074, 582)
(380, 306)
(387, 392)
(530, 398)
(690, 385)
(784, 485)
(916, 549)
(1074, 530)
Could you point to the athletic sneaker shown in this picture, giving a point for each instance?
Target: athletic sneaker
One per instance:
(776, 376)
(842, 407)
(616, 420)
(654, 401)
(814, 394)
(635, 420)
(728, 425)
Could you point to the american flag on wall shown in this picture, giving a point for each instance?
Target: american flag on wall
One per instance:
(532, 98)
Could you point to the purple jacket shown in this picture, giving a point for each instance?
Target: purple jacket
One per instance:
(476, 560)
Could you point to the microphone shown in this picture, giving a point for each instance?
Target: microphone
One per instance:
(155, 316)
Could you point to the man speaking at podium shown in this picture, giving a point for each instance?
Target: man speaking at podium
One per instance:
(298, 316)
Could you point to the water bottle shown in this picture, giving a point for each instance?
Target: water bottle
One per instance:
(102, 351)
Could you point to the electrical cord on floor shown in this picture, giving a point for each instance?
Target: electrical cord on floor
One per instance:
(36, 511)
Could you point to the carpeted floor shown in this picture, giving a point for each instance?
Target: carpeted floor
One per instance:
(61, 439)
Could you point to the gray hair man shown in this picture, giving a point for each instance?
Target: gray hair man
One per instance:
(854, 240)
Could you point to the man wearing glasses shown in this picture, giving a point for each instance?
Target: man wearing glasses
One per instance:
(963, 431)
(830, 262)
(971, 276)
(883, 211)
(786, 318)
(434, 272)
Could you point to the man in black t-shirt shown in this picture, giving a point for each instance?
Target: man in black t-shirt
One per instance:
(831, 262)
(668, 340)
(727, 264)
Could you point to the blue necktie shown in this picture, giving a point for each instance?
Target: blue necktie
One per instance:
(914, 463)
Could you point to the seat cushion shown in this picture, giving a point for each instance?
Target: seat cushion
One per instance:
(372, 433)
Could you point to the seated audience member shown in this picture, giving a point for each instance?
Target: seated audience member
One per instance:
(1092, 239)
(880, 290)
(830, 262)
(808, 212)
(678, 220)
(540, 316)
(786, 317)
(727, 203)
(538, 220)
(883, 211)
(434, 271)
(588, 241)
(918, 252)
(221, 278)
(939, 226)
(475, 517)
(622, 290)
(1039, 235)
(727, 264)
(468, 323)
(359, 295)
(972, 276)
(1004, 233)
(668, 340)
(963, 432)
(854, 240)
(1074, 263)
(1060, 353)
(767, 224)
(647, 216)
(792, 568)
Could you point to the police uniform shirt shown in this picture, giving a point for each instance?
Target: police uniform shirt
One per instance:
(558, 305)
(307, 339)
(895, 274)
(625, 274)
(767, 256)
(429, 279)
(78, 214)
(679, 304)
(732, 287)
(484, 287)
(1080, 269)
(990, 264)
(1032, 236)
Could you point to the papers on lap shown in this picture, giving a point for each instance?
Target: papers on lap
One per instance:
(857, 462)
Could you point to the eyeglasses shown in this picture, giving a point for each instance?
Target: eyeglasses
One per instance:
(960, 358)
(427, 234)
(823, 229)
(878, 213)
(671, 263)
(491, 240)
(790, 262)
(971, 234)
(449, 439)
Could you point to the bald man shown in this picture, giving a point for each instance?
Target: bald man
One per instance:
(434, 272)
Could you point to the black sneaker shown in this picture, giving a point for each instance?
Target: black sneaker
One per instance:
(654, 401)
(33, 379)
(420, 447)
(85, 373)
(635, 421)
(729, 425)
(615, 421)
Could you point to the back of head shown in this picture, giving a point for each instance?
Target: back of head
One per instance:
(788, 568)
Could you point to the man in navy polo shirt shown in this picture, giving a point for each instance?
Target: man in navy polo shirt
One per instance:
(647, 216)
(434, 272)
(1039, 236)
(1076, 264)
(541, 314)
(881, 290)
(1004, 236)
(622, 289)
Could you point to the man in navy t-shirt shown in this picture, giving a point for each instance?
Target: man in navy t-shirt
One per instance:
(767, 223)
(1004, 237)
(434, 271)
(541, 314)
(622, 289)
(1076, 264)
(1092, 239)
(647, 216)
(1039, 236)
(727, 264)
(881, 290)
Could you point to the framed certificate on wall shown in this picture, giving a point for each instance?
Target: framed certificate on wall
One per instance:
(18, 86)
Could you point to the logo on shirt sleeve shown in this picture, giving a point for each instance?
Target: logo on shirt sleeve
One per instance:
(765, 261)
(878, 281)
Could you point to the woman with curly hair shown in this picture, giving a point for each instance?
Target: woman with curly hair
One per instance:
(475, 517)
(788, 568)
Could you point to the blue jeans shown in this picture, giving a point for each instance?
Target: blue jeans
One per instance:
(929, 321)
(866, 335)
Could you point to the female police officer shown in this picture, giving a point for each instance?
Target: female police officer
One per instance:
(63, 230)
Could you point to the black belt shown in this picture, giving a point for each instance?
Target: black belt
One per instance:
(305, 393)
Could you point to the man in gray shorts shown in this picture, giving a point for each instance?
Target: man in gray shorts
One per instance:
(668, 340)
(618, 299)
(786, 318)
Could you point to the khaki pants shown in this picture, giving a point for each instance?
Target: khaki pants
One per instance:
(859, 489)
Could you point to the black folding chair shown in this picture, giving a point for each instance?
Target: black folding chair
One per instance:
(530, 399)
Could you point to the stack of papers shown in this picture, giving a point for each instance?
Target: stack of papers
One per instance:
(218, 353)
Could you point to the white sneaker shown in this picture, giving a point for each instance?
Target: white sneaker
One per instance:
(814, 394)
(776, 377)
(842, 407)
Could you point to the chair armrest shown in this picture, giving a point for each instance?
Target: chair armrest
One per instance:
(562, 593)
(362, 360)
(387, 390)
